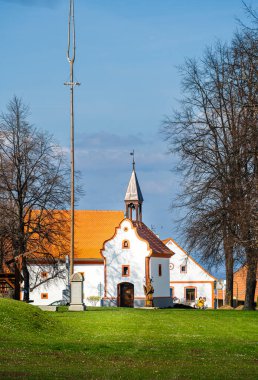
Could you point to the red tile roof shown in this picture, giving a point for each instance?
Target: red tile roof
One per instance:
(156, 245)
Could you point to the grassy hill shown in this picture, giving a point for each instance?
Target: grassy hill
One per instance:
(18, 318)
(127, 344)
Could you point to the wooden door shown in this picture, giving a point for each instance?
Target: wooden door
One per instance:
(126, 294)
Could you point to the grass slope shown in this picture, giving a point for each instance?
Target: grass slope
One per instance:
(127, 344)
(18, 317)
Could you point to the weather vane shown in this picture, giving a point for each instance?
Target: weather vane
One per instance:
(71, 84)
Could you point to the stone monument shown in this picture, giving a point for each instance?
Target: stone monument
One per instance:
(76, 303)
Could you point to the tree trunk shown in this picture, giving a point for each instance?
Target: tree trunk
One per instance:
(251, 279)
(17, 288)
(26, 279)
(1, 255)
(229, 261)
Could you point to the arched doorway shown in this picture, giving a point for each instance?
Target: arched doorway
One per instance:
(125, 294)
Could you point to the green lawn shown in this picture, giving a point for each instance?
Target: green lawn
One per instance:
(119, 343)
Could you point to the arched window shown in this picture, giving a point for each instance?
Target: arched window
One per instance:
(126, 244)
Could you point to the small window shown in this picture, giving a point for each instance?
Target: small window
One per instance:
(190, 294)
(44, 274)
(126, 244)
(125, 270)
(171, 292)
(44, 296)
(125, 229)
(160, 270)
(183, 268)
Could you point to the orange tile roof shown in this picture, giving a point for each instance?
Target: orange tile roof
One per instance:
(92, 228)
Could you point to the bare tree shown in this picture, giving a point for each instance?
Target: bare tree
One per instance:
(215, 133)
(245, 47)
(34, 179)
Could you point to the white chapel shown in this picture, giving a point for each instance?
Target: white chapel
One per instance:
(118, 256)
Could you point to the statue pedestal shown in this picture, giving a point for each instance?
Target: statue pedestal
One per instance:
(74, 307)
(149, 303)
(76, 303)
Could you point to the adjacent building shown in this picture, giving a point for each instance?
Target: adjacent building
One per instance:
(189, 280)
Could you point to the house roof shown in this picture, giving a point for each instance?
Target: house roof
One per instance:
(156, 245)
(133, 192)
(165, 241)
(92, 228)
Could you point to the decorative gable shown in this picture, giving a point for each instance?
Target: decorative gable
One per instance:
(184, 267)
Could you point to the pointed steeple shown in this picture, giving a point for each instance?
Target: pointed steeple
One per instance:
(133, 196)
(133, 192)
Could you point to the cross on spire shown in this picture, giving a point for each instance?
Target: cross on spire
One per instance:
(132, 154)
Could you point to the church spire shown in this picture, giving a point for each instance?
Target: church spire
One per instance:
(133, 196)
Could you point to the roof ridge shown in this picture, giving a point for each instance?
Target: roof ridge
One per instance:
(156, 244)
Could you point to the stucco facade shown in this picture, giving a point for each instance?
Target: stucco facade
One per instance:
(186, 273)
(49, 290)
(135, 255)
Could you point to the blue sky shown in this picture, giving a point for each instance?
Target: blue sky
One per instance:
(127, 57)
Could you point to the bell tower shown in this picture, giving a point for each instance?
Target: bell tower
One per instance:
(133, 197)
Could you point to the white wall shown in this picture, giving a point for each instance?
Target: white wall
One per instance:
(160, 283)
(202, 290)
(195, 276)
(93, 284)
(194, 271)
(54, 287)
(134, 256)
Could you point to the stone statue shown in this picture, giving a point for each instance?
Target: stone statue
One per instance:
(148, 291)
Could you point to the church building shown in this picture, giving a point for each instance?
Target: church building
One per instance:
(118, 255)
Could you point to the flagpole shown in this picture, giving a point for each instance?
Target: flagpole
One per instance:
(71, 84)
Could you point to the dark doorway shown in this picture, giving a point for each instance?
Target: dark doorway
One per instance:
(125, 294)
